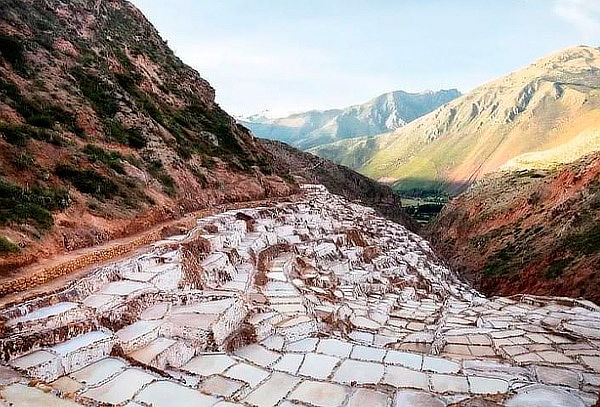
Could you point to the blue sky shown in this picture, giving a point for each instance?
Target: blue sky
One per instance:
(294, 55)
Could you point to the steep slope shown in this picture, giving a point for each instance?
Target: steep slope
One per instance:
(340, 180)
(105, 132)
(384, 113)
(529, 231)
(547, 112)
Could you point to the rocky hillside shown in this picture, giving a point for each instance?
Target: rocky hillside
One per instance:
(546, 113)
(528, 231)
(382, 114)
(340, 181)
(104, 131)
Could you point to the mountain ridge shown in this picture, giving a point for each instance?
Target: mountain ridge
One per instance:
(385, 112)
(546, 104)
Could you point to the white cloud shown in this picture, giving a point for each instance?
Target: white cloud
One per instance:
(583, 14)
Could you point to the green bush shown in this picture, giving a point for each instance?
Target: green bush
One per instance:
(11, 49)
(558, 267)
(111, 159)
(88, 181)
(132, 137)
(586, 242)
(23, 160)
(33, 205)
(6, 246)
(501, 263)
(98, 92)
(158, 171)
(19, 134)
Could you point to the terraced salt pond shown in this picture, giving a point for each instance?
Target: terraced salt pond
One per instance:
(312, 303)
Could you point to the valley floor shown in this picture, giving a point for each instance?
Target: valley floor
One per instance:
(317, 302)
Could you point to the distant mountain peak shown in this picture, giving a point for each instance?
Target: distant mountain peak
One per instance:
(384, 113)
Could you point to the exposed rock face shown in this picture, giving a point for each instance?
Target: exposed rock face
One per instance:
(104, 131)
(545, 113)
(533, 231)
(340, 180)
(350, 310)
(382, 114)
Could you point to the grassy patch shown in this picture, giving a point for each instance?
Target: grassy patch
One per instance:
(557, 268)
(98, 92)
(88, 181)
(11, 49)
(133, 137)
(20, 134)
(6, 246)
(158, 171)
(586, 242)
(33, 205)
(500, 263)
(111, 159)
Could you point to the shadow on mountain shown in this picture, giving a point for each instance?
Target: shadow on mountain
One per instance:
(428, 188)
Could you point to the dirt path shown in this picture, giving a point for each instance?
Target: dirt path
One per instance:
(55, 272)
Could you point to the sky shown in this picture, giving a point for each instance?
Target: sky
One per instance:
(284, 56)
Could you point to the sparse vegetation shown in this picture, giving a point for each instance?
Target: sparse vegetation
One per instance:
(30, 205)
(558, 267)
(19, 134)
(111, 159)
(132, 137)
(158, 171)
(98, 91)
(586, 242)
(6, 246)
(88, 181)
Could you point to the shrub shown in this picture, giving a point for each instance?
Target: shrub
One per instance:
(88, 181)
(111, 159)
(557, 268)
(11, 49)
(500, 263)
(586, 242)
(133, 137)
(158, 171)
(209, 162)
(98, 92)
(6, 246)
(23, 160)
(30, 205)
(19, 134)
